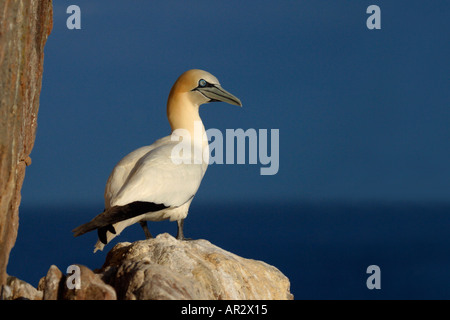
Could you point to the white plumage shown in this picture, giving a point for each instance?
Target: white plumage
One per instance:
(158, 182)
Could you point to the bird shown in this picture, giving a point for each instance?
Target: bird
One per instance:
(158, 182)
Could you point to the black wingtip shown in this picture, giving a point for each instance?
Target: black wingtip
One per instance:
(111, 229)
(103, 231)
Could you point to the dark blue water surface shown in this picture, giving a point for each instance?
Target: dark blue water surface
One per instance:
(324, 249)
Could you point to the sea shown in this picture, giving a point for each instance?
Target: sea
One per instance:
(328, 250)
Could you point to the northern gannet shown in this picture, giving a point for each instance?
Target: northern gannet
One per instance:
(154, 183)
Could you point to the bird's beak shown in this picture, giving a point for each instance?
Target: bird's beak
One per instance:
(217, 93)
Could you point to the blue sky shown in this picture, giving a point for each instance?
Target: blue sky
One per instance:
(363, 115)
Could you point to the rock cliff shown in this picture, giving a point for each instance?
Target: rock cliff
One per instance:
(24, 28)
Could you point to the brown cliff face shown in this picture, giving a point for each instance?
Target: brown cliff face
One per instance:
(24, 28)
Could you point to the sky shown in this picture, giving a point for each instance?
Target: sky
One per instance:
(363, 115)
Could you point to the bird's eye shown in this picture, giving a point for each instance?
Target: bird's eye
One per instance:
(202, 83)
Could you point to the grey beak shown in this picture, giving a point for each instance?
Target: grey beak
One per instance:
(217, 93)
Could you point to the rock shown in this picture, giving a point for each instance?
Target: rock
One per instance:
(92, 288)
(16, 289)
(165, 268)
(50, 285)
(54, 286)
(142, 281)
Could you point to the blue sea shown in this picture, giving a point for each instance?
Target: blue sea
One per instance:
(323, 248)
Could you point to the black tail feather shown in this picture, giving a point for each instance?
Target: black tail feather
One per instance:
(104, 221)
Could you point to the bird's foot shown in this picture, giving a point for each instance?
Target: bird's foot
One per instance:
(180, 234)
(182, 238)
(144, 226)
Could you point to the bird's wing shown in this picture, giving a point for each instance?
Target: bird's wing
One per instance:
(159, 177)
(122, 170)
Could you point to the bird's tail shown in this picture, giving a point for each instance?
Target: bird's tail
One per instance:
(85, 228)
(104, 221)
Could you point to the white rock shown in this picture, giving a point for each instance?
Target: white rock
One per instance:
(165, 268)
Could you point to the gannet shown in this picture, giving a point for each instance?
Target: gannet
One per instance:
(153, 183)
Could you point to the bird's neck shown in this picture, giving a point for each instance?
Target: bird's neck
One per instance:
(183, 114)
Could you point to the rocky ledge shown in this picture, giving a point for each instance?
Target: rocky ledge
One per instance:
(163, 269)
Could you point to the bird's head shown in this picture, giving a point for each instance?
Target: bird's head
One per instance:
(201, 87)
